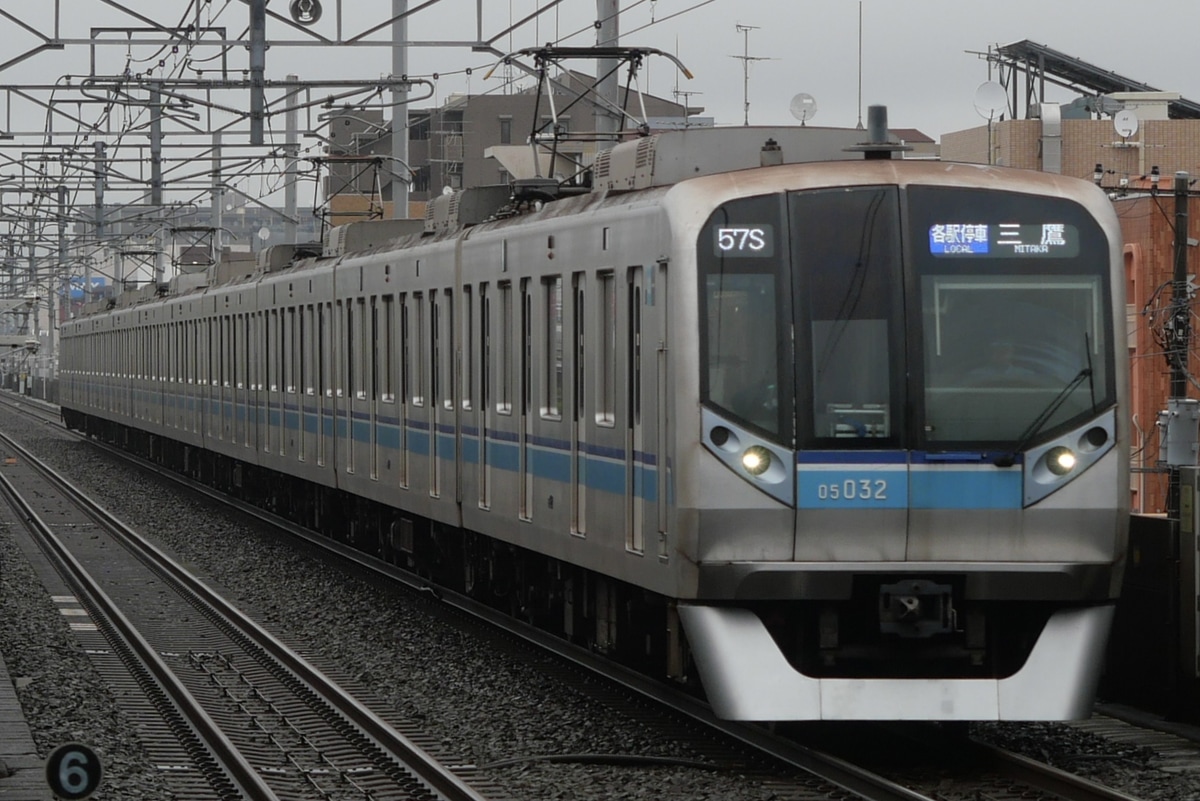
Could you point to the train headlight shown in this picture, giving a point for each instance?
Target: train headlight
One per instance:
(1060, 460)
(756, 459)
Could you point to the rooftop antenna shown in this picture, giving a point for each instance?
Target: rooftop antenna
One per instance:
(746, 58)
(990, 97)
(860, 125)
(803, 107)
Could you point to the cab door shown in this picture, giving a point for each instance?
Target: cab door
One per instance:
(852, 468)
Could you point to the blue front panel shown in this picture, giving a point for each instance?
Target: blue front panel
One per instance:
(975, 487)
(874, 480)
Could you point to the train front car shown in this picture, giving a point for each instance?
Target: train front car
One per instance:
(911, 498)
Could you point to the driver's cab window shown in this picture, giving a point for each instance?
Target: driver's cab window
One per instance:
(846, 257)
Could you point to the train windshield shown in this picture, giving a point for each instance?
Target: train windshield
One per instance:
(929, 317)
(1013, 291)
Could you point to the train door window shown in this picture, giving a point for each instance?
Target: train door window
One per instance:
(386, 349)
(485, 373)
(351, 350)
(402, 302)
(337, 354)
(468, 377)
(504, 360)
(324, 385)
(293, 379)
(271, 347)
(309, 347)
(848, 302)
(417, 384)
(226, 347)
(606, 392)
(303, 337)
(526, 347)
(635, 472)
(552, 348)
(362, 346)
(321, 350)
(578, 405)
(435, 348)
(448, 384)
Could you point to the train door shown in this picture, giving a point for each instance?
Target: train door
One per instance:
(325, 402)
(525, 343)
(577, 344)
(304, 387)
(466, 417)
(850, 372)
(262, 379)
(402, 407)
(240, 407)
(372, 351)
(635, 473)
(251, 373)
(436, 311)
(485, 396)
(420, 396)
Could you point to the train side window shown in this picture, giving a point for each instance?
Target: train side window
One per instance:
(552, 347)
(606, 370)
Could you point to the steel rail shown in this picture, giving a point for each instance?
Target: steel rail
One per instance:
(220, 748)
(413, 758)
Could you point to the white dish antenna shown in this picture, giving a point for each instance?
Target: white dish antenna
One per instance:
(990, 98)
(803, 107)
(1126, 123)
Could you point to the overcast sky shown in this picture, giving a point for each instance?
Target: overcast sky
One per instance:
(915, 54)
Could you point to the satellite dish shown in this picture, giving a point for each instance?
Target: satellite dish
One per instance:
(990, 97)
(1126, 123)
(804, 107)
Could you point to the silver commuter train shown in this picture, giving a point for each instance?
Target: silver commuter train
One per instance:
(838, 437)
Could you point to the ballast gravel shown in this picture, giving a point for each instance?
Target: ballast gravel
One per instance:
(485, 707)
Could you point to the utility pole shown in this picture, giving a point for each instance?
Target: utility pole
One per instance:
(258, 66)
(608, 86)
(1178, 408)
(399, 166)
(746, 58)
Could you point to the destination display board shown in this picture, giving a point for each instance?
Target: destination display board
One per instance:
(1004, 240)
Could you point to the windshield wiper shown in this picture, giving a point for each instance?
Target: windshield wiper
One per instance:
(1010, 458)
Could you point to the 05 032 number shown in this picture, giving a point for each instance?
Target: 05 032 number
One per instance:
(852, 489)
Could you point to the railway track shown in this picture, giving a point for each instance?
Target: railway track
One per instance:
(237, 713)
(794, 768)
